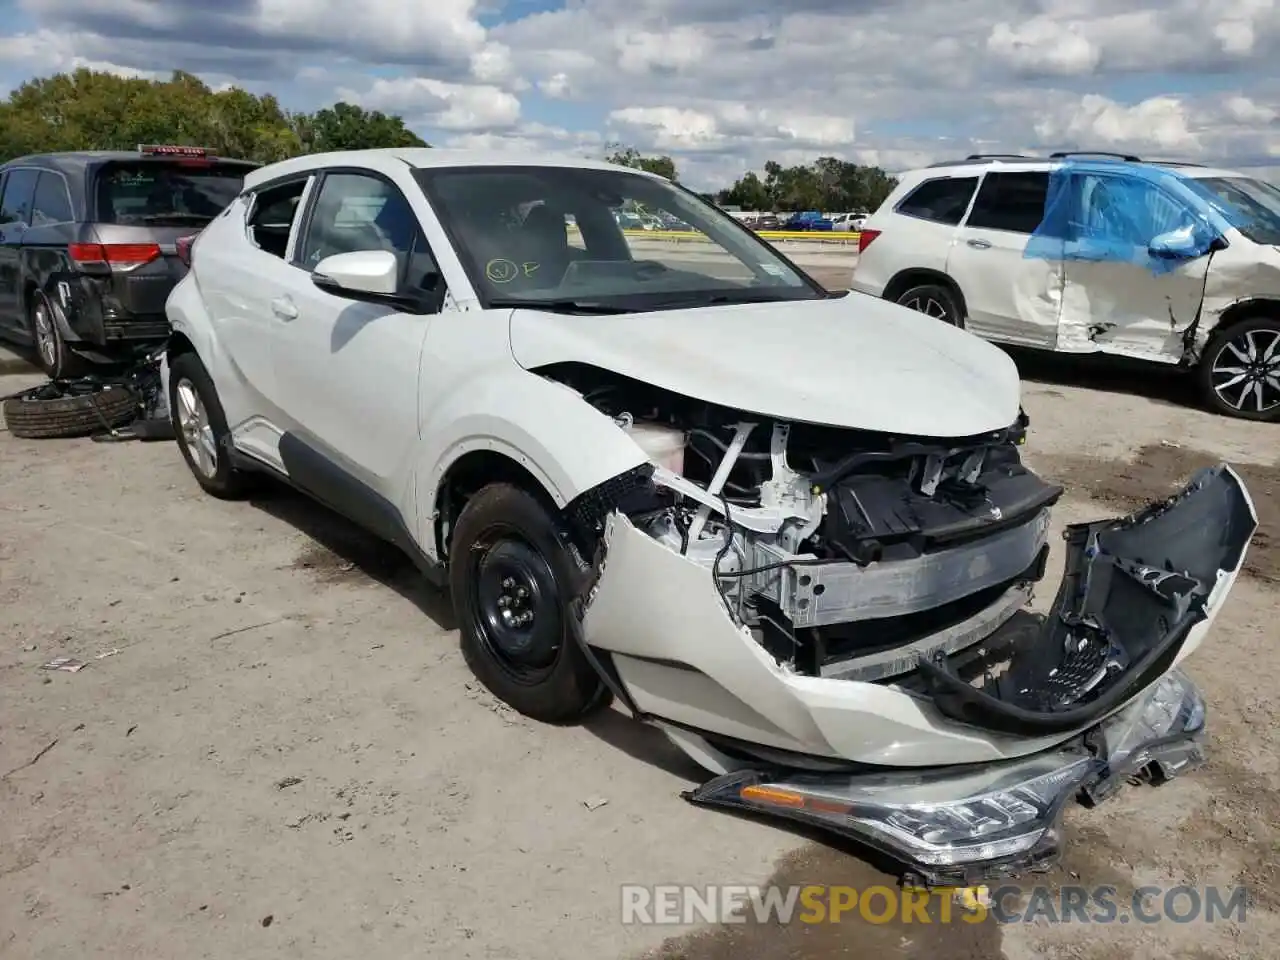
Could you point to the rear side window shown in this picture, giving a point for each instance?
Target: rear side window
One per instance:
(1011, 201)
(943, 200)
(165, 193)
(15, 205)
(51, 204)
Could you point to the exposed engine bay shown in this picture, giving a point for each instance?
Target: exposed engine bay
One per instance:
(907, 560)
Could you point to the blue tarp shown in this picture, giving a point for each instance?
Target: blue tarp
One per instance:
(1110, 212)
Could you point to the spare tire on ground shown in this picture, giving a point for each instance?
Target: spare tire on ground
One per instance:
(74, 408)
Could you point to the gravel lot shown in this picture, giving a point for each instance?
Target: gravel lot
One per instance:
(284, 755)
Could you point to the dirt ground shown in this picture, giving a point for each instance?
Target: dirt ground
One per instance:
(280, 752)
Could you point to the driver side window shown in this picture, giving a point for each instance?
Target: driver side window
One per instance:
(1126, 210)
(355, 211)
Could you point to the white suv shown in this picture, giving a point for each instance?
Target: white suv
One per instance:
(1084, 253)
(702, 484)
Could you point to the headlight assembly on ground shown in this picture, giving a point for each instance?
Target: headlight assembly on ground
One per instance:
(959, 826)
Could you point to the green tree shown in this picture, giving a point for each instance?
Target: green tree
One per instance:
(631, 157)
(345, 126)
(95, 110)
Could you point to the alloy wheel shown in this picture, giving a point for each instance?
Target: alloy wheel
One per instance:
(928, 306)
(197, 432)
(46, 337)
(1246, 371)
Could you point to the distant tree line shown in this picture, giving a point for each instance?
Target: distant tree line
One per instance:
(97, 110)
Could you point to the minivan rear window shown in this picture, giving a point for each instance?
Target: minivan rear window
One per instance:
(160, 193)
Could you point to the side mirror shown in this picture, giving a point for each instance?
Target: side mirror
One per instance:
(1177, 245)
(373, 276)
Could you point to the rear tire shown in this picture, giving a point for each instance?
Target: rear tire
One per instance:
(512, 578)
(52, 353)
(1239, 365)
(200, 425)
(933, 300)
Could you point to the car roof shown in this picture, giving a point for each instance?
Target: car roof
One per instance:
(978, 164)
(424, 158)
(78, 160)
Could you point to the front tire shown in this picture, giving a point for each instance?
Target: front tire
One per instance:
(512, 578)
(1239, 372)
(200, 425)
(933, 300)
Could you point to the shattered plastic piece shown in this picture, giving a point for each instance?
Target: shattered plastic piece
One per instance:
(107, 653)
(973, 899)
(67, 664)
(594, 803)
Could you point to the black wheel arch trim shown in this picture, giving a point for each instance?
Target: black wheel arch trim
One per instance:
(311, 471)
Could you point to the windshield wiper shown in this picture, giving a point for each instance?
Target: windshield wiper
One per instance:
(716, 299)
(559, 306)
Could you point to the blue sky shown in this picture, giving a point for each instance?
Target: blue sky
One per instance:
(721, 85)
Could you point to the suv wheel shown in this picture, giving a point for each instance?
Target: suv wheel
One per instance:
(512, 580)
(933, 300)
(1240, 370)
(55, 359)
(201, 429)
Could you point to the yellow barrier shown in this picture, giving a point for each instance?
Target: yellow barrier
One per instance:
(692, 236)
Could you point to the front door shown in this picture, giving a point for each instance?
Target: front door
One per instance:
(349, 370)
(1117, 298)
(1009, 295)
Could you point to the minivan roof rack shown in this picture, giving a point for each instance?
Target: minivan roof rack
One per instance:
(1064, 154)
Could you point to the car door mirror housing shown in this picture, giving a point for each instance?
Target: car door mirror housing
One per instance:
(373, 276)
(1177, 245)
(358, 274)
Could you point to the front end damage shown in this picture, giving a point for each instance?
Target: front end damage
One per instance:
(837, 624)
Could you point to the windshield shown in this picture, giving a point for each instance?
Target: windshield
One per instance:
(158, 192)
(1251, 206)
(565, 237)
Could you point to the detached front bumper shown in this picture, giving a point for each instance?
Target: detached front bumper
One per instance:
(956, 826)
(959, 767)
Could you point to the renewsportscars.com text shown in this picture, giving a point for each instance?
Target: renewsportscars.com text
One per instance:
(813, 904)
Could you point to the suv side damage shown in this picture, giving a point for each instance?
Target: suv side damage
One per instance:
(836, 624)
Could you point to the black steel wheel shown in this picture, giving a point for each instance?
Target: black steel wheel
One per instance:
(512, 579)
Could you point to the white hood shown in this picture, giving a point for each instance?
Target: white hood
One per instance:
(856, 362)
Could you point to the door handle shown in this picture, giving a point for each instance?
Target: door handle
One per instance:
(979, 244)
(284, 308)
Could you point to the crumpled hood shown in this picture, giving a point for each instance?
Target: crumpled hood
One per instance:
(856, 361)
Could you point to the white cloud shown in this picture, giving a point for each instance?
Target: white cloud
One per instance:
(724, 85)
(434, 103)
(49, 52)
(1160, 122)
(556, 86)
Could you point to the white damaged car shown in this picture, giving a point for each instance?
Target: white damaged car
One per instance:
(791, 528)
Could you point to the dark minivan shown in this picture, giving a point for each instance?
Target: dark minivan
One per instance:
(91, 244)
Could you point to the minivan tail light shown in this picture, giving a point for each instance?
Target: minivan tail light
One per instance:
(865, 237)
(184, 246)
(113, 254)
